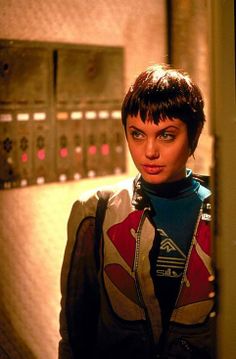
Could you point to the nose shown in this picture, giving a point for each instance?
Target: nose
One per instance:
(152, 150)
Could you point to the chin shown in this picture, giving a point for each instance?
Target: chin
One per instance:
(154, 179)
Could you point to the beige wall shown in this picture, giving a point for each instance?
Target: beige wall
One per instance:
(33, 220)
(223, 111)
(139, 26)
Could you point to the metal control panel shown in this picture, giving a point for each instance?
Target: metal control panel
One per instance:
(59, 112)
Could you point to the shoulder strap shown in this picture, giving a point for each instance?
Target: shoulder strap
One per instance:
(100, 215)
(82, 300)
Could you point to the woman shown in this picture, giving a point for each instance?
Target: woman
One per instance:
(145, 290)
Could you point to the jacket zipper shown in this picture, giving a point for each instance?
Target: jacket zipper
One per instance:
(136, 258)
(137, 247)
(135, 267)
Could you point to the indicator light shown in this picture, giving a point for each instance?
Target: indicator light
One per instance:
(92, 150)
(105, 149)
(63, 152)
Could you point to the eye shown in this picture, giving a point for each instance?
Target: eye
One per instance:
(167, 136)
(137, 135)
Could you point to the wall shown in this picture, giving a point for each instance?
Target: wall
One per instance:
(133, 25)
(223, 113)
(33, 220)
(190, 51)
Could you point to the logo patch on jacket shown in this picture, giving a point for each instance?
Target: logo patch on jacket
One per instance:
(171, 260)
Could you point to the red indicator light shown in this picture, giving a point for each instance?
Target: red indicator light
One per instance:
(105, 149)
(92, 150)
(24, 157)
(63, 152)
(41, 154)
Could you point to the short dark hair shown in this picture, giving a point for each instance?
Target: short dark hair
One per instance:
(162, 92)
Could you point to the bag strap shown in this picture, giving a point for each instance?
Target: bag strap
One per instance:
(99, 219)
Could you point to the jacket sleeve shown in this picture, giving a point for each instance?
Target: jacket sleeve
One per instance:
(79, 287)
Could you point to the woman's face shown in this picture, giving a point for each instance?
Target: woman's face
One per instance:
(159, 152)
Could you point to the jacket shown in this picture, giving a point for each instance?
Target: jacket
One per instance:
(112, 311)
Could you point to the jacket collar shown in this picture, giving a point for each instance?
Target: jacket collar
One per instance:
(139, 199)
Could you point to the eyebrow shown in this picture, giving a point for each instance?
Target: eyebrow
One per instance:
(159, 130)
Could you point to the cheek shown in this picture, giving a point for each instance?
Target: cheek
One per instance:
(133, 148)
(183, 153)
(134, 152)
(178, 154)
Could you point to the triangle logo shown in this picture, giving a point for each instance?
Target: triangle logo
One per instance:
(168, 246)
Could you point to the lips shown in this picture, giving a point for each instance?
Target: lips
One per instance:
(152, 169)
